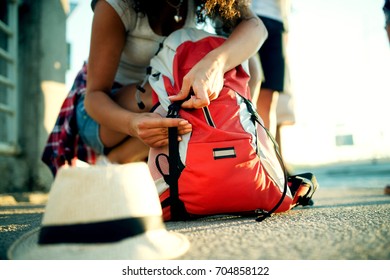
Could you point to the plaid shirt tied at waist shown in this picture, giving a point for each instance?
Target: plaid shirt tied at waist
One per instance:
(64, 144)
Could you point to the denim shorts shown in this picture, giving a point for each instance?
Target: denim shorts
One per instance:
(88, 128)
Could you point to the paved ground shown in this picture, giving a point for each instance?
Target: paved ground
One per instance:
(351, 224)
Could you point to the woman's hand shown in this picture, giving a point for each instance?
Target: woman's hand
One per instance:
(206, 81)
(152, 129)
(206, 77)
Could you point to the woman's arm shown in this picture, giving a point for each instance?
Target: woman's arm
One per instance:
(107, 42)
(206, 77)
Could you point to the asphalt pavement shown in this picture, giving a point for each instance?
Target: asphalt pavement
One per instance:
(343, 224)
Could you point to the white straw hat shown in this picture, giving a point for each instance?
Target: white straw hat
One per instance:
(101, 212)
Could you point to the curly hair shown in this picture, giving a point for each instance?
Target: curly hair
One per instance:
(227, 9)
(230, 11)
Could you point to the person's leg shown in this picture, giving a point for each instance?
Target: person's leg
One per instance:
(126, 149)
(118, 147)
(266, 107)
(125, 97)
(272, 61)
(130, 150)
(256, 77)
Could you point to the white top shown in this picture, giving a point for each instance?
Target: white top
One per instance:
(273, 9)
(141, 42)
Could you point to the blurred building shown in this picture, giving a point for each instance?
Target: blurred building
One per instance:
(33, 63)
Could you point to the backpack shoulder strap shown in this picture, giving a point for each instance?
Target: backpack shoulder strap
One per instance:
(256, 118)
(178, 211)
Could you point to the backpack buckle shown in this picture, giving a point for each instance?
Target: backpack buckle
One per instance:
(173, 109)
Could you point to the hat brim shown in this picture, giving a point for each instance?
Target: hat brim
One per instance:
(152, 245)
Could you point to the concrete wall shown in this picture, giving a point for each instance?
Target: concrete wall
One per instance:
(41, 82)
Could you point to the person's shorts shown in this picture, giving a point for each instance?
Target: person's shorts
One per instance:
(272, 56)
(88, 128)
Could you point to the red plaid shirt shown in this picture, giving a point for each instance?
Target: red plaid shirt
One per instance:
(64, 144)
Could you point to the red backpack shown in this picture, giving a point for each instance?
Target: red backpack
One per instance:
(229, 163)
